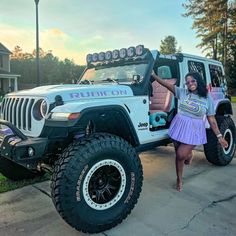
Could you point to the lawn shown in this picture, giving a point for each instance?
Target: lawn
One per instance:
(233, 99)
(7, 185)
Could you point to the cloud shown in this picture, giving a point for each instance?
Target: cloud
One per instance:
(12, 36)
(57, 32)
(53, 39)
(49, 39)
(100, 26)
(87, 43)
(63, 45)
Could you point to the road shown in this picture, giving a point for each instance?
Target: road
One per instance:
(206, 206)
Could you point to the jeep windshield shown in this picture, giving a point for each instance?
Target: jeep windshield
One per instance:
(125, 74)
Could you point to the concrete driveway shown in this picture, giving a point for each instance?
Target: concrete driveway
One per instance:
(206, 206)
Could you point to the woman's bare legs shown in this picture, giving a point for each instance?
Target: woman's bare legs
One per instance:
(188, 161)
(179, 185)
(183, 153)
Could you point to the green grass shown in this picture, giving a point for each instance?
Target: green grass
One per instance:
(8, 185)
(233, 99)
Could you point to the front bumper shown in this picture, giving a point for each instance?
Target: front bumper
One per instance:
(15, 146)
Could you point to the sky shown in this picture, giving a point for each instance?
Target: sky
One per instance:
(73, 28)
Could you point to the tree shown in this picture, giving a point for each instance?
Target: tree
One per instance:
(232, 46)
(169, 45)
(17, 53)
(53, 71)
(215, 24)
(49, 66)
(210, 19)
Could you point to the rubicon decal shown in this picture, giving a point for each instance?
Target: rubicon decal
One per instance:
(99, 93)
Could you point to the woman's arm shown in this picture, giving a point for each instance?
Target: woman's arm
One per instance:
(214, 126)
(169, 86)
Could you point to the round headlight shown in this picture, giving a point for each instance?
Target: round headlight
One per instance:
(40, 109)
(43, 108)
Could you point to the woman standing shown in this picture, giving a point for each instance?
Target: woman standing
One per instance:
(187, 129)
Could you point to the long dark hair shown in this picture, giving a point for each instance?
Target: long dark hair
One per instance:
(201, 86)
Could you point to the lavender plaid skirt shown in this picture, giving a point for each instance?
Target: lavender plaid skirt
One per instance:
(188, 130)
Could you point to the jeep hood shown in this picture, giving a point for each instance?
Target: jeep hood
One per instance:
(76, 91)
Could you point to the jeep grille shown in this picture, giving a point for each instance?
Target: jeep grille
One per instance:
(18, 111)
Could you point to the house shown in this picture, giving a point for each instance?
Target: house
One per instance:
(8, 80)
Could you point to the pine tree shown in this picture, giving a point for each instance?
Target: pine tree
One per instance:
(169, 45)
(232, 45)
(211, 24)
(215, 24)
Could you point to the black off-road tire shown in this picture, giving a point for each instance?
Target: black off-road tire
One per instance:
(16, 172)
(96, 182)
(215, 154)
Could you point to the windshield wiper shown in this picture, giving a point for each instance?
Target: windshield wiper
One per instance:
(111, 80)
(86, 81)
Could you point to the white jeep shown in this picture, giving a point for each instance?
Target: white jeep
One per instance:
(89, 134)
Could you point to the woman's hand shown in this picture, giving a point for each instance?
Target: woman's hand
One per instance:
(214, 126)
(154, 75)
(164, 83)
(223, 142)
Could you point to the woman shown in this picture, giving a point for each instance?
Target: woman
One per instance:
(187, 129)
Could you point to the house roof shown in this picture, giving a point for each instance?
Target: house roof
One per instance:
(4, 49)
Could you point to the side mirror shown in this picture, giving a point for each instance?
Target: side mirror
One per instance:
(137, 79)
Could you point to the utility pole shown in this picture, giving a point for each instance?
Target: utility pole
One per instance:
(37, 44)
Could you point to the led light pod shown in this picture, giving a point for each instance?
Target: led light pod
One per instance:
(95, 57)
(108, 55)
(115, 54)
(89, 58)
(139, 50)
(131, 52)
(101, 56)
(123, 53)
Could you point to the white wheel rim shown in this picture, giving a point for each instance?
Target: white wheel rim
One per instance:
(228, 149)
(119, 194)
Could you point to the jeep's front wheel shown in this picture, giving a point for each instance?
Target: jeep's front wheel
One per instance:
(215, 154)
(96, 182)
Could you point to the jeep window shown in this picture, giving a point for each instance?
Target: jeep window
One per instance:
(216, 74)
(126, 74)
(198, 67)
(167, 68)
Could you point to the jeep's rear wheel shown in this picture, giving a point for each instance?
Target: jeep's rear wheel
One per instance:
(96, 182)
(15, 172)
(215, 154)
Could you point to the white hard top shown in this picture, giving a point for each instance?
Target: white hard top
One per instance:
(174, 56)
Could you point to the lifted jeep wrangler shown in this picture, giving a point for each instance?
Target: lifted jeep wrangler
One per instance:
(89, 134)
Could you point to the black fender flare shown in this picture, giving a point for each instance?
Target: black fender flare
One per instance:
(109, 119)
(112, 119)
(223, 108)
